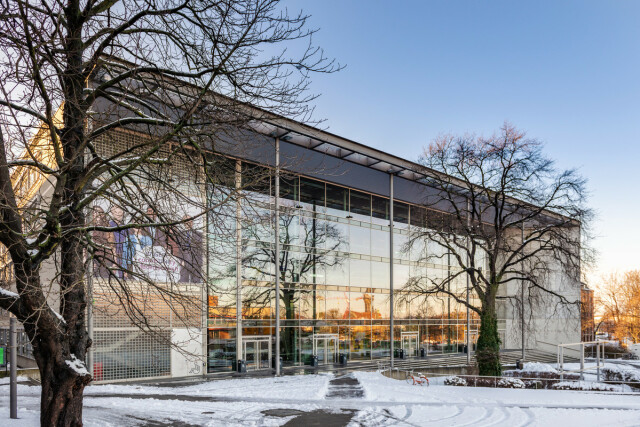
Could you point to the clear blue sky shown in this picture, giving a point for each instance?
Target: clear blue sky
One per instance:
(567, 72)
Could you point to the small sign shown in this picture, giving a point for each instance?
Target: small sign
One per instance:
(3, 356)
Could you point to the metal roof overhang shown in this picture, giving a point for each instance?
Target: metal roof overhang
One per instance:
(341, 148)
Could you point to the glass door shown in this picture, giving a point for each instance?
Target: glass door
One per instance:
(325, 346)
(265, 353)
(410, 343)
(256, 351)
(250, 355)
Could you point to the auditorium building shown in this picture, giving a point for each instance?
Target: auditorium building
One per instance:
(341, 257)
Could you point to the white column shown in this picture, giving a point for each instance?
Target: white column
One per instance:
(238, 185)
(277, 256)
(90, 305)
(522, 307)
(391, 296)
(468, 265)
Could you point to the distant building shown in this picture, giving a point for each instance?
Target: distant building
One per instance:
(587, 322)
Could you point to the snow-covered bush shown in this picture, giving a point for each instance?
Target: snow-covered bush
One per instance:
(626, 374)
(586, 385)
(472, 381)
(455, 381)
(538, 367)
(538, 375)
(510, 383)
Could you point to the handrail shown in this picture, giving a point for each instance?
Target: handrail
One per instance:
(599, 349)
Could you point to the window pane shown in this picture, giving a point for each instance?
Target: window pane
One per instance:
(400, 276)
(400, 212)
(361, 342)
(360, 240)
(360, 203)
(337, 305)
(337, 198)
(400, 246)
(311, 304)
(338, 272)
(312, 192)
(380, 206)
(290, 231)
(289, 187)
(380, 342)
(360, 273)
(380, 243)
(337, 236)
(380, 274)
(380, 304)
(256, 178)
(418, 216)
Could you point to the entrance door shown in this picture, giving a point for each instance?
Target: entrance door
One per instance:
(410, 343)
(256, 351)
(325, 346)
(474, 338)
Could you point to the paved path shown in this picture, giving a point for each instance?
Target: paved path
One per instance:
(344, 387)
(341, 387)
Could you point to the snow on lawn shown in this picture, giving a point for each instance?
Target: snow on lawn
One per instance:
(125, 405)
(303, 387)
(247, 402)
(443, 405)
(382, 389)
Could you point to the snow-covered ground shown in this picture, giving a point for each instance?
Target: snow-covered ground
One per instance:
(275, 401)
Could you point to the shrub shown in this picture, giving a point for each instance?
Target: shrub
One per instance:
(484, 382)
(542, 379)
(455, 381)
(510, 383)
(625, 374)
(586, 385)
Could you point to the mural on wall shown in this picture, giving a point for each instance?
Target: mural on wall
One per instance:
(156, 244)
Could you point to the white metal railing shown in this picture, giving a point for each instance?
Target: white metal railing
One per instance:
(599, 355)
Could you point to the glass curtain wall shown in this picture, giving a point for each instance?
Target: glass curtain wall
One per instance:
(334, 273)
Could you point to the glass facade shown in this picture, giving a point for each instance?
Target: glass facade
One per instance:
(334, 272)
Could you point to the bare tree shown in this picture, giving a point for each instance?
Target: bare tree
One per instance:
(506, 218)
(104, 103)
(619, 305)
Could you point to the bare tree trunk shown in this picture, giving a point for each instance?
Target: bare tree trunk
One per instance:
(62, 386)
(59, 347)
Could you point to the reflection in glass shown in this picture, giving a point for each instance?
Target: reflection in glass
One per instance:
(221, 349)
(380, 306)
(337, 236)
(312, 194)
(400, 276)
(337, 273)
(319, 254)
(380, 342)
(337, 305)
(360, 206)
(380, 274)
(361, 342)
(337, 200)
(380, 210)
(380, 243)
(360, 240)
(361, 305)
(400, 214)
(360, 272)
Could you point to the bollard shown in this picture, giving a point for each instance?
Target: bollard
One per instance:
(13, 360)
